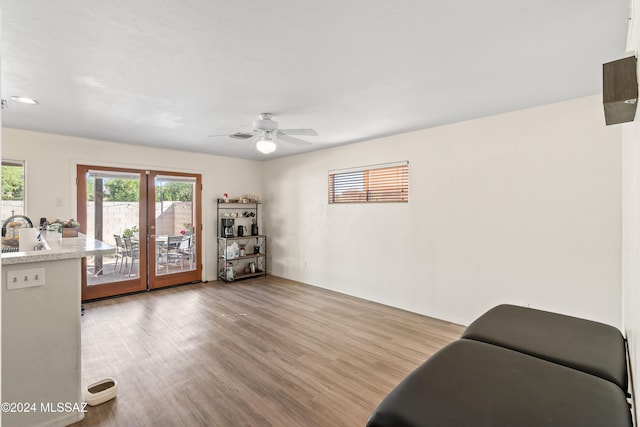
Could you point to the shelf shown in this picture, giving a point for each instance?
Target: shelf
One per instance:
(250, 256)
(240, 263)
(238, 203)
(243, 276)
(259, 236)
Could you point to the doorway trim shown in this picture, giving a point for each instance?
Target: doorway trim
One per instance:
(144, 281)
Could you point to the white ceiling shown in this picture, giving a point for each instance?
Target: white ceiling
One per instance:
(170, 73)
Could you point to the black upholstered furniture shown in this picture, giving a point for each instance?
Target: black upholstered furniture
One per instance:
(581, 344)
(514, 367)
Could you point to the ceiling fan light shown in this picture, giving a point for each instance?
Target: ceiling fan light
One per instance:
(266, 146)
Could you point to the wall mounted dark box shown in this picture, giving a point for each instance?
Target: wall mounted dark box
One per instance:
(620, 90)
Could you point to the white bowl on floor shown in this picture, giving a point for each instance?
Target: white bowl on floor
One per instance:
(101, 391)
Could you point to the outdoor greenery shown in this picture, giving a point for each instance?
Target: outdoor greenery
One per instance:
(115, 190)
(121, 190)
(174, 191)
(126, 190)
(129, 232)
(12, 182)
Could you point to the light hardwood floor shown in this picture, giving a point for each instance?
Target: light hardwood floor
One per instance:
(260, 352)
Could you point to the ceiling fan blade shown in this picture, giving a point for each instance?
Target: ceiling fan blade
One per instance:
(292, 140)
(309, 132)
(242, 135)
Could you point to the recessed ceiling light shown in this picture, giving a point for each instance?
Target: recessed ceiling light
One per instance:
(24, 100)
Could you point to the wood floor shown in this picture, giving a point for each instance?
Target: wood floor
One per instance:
(260, 352)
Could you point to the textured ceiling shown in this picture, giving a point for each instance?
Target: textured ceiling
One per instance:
(171, 73)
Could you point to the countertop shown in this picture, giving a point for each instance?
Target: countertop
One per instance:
(69, 247)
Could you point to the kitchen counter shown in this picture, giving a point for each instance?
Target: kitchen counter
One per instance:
(59, 249)
(41, 334)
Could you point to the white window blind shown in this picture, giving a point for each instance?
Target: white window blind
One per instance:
(384, 183)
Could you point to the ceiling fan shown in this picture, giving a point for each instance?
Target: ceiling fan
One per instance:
(265, 133)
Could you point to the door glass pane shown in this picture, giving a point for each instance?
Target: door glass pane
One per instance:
(113, 212)
(175, 210)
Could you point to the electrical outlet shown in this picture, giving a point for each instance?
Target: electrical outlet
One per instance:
(18, 279)
(59, 202)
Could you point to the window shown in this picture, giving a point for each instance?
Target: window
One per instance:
(384, 183)
(13, 189)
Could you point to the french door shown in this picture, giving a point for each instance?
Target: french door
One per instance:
(153, 218)
(174, 233)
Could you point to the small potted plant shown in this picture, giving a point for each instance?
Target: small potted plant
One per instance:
(133, 232)
(70, 228)
(187, 230)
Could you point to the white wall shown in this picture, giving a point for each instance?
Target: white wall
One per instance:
(522, 208)
(51, 171)
(631, 225)
(0, 263)
(631, 245)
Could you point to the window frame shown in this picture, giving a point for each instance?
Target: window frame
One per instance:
(381, 183)
(23, 163)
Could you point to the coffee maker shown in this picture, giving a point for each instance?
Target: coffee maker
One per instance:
(227, 227)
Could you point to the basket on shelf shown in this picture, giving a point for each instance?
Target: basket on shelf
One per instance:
(69, 232)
